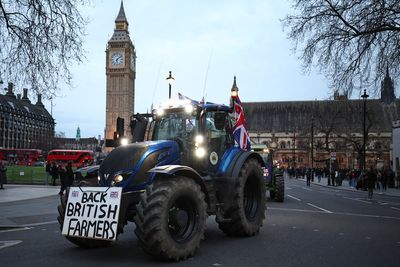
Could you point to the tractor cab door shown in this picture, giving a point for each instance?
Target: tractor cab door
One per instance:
(218, 136)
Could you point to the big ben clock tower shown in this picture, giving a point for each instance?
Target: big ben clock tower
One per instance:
(121, 74)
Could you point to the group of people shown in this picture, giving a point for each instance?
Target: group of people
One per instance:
(63, 171)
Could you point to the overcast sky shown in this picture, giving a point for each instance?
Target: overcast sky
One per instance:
(204, 43)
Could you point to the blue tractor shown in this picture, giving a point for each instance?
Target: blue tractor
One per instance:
(182, 167)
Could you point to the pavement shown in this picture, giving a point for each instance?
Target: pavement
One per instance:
(30, 205)
(395, 192)
(17, 192)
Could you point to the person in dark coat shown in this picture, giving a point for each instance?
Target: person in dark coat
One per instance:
(3, 173)
(308, 176)
(371, 179)
(70, 174)
(63, 179)
(54, 172)
(48, 171)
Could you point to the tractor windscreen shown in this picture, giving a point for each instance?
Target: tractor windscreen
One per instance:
(178, 126)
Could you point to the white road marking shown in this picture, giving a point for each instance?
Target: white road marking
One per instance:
(395, 208)
(5, 244)
(338, 213)
(316, 230)
(295, 198)
(359, 200)
(327, 211)
(288, 188)
(15, 229)
(341, 233)
(368, 237)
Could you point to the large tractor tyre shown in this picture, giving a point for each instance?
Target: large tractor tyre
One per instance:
(81, 242)
(279, 194)
(245, 217)
(171, 218)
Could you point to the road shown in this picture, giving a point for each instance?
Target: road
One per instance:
(315, 226)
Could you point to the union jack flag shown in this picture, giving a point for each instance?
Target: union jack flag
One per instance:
(239, 129)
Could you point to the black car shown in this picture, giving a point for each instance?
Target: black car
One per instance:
(86, 176)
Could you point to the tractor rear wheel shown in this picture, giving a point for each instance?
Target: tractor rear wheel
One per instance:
(81, 242)
(245, 217)
(171, 218)
(279, 194)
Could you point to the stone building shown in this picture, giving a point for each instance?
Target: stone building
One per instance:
(396, 148)
(121, 74)
(24, 124)
(327, 131)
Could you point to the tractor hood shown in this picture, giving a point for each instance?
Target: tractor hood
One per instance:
(127, 166)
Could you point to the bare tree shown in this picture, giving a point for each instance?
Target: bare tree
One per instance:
(39, 41)
(351, 41)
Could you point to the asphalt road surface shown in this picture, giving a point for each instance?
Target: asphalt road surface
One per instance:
(315, 226)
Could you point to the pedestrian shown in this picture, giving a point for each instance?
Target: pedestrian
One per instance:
(3, 175)
(384, 180)
(48, 171)
(54, 172)
(371, 179)
(378, 180)
(70, 174)
(63, 179)
(308, 176)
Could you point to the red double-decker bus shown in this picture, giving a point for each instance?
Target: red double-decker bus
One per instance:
(20, 156)
(78, 158)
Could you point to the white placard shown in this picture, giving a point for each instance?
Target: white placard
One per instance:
(92, 212)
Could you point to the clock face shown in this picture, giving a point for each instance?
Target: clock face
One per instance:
(117, 59)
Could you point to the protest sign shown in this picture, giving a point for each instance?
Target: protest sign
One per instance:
(92, 212)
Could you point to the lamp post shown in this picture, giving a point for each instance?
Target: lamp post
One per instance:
(312, 148)
(364, 97)
(170, 80)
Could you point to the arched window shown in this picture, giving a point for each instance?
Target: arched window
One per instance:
(282, 145)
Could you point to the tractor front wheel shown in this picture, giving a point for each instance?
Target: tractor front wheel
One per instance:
(245, 217)
(171, 218)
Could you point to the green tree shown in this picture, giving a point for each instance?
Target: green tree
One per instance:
(351, 41)
(39, 41)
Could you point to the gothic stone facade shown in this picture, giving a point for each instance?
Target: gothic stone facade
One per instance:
(23, 124)
(334, 125)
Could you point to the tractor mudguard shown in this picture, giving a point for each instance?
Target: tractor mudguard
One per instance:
(180, 170)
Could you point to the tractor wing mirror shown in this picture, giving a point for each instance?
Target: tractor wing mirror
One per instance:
(219, 120)
(138, 127)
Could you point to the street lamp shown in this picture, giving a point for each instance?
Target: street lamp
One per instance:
(170, 80)
(364, 97)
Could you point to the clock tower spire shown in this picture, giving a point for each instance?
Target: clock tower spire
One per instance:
(120, 75)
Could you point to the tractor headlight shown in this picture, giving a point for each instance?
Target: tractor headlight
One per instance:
(160, 112)
(124, 141)
(199, 139)
(119, 178)
(200, 152)
(189, 109)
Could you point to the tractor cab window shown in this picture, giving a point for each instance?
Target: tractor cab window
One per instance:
(175, 125)
(217, 127)
(179, 127)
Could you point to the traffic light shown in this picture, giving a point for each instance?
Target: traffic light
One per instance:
(120, 127)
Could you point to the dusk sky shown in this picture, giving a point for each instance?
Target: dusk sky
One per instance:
(204, 43)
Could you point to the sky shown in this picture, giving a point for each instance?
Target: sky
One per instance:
(204, 43)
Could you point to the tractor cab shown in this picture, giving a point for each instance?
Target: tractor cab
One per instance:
(201, 131)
